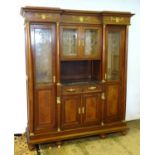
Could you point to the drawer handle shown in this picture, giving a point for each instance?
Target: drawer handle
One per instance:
(83, 109)
(92, 88)
(71, 90)
(79, 111)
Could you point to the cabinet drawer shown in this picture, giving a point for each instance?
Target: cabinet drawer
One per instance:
(71, 90)
(92, 88)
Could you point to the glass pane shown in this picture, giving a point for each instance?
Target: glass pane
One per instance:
(91, 38)
(43, 55)
(69, 42)
(113, 55)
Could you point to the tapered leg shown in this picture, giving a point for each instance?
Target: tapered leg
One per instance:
(124, 132)
(31, 147)
(103, 136)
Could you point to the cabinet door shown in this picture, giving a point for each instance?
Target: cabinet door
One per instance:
(115, 54)
(91, 42)
(71, 117)
(69, 42)
(91, 109)
(43, 49)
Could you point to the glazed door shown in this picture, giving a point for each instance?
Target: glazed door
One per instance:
(91, 109)
(71, 112)
(43, 51)
(91, 42)
(69, 43)
(115, 65)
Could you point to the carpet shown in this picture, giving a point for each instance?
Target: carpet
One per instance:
(113, 144)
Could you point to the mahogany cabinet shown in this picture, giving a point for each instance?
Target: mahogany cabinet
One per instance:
(76, 69)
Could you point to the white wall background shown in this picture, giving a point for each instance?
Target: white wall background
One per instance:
(12, 56)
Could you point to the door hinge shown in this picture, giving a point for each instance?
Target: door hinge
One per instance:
(103, 96)
(58, 100)
(58, 129)
(105, 76)
(102, 124)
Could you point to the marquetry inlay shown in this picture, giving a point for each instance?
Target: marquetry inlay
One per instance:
(116, 20)
(42, 17)
(80, 19)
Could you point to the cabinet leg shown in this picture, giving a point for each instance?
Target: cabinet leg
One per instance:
(31, 147)
(103, 136)
(59, 143)
(123, 133)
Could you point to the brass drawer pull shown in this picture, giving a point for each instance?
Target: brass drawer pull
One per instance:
(92, 88)
(79, 111)
(103, 96)
(71, 90)
(83, 109)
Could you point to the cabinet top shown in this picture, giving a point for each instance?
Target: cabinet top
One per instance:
(69, 11)
(31, 13)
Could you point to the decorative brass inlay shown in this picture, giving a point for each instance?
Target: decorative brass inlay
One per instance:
(105, 76)
(81, 19)
(58, 129)
(116, 20)
(54, 79)
(79, 111)
(57, 24)
(43, 16)
(103, 81)
(103, 96)
(71, 90)
(31, 134)
(92, 88)
(58, 100)
(58, 84)
(102, 124)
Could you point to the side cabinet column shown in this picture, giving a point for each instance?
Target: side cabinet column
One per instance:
(124, 85)
(104, 55)
(103, 73)
(29, 79)
(58, 100)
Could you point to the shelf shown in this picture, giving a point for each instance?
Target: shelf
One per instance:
(81, 81)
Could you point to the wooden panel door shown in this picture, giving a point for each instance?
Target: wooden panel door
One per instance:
(91, 109)
(115, 73)
(71, 112)
(43, 53)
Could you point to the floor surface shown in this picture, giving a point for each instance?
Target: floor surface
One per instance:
(114, 144)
